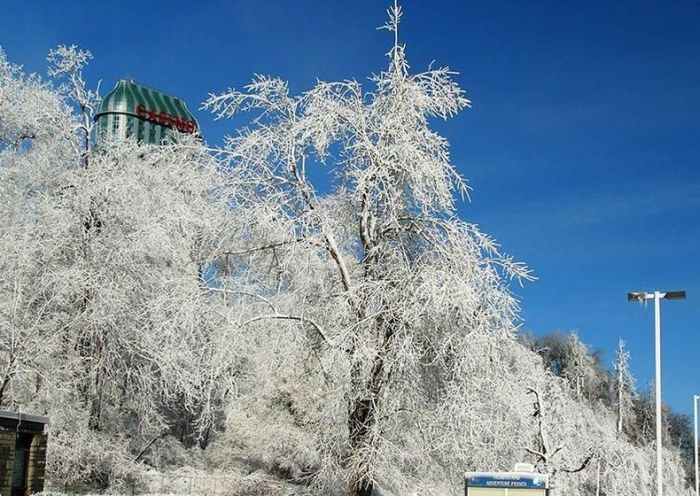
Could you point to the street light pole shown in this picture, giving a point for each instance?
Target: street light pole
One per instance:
(657, 347)
(657, 296)
(695, 416)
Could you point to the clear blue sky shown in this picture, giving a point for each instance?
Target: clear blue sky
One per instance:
(583, 144)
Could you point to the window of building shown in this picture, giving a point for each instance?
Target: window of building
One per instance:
(116, 122)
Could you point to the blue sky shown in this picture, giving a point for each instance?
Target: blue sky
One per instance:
(582, 146)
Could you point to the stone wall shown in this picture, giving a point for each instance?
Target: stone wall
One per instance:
(7, 456)
(14, 426)
(37, 464)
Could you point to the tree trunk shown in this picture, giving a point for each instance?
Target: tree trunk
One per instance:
(360, 488)
(4, 384)
(363, 416)
(96, 402)
(359, 485)
(360, 422)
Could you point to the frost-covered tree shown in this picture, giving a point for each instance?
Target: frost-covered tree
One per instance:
(35, 124)
(557, 449)
(107, 322)
(370, 295)
(624, 385)
(67, 62)
(581, 370)
(566, 356)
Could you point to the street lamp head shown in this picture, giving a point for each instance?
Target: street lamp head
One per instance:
(639, 296)
(668, 295)
(675, 295)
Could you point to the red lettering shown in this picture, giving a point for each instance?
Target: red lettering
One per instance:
(179, 123)
(165, 119)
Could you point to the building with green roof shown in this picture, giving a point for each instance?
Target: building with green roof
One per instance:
(134, 111)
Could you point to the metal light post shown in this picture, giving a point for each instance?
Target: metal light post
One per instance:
(695, 416)
(657, 296)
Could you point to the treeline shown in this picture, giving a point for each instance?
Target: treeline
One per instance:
(564, 355)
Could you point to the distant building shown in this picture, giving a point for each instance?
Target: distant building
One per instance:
(22, 453)
(134, 111)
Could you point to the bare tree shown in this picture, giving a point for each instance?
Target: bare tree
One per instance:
(68, 62)
(547, 448)
(105, 319)
(391, 284)
(624, 384)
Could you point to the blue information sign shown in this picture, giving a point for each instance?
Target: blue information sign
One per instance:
(506, 480)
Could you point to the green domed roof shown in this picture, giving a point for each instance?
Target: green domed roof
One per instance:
(131, 98)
